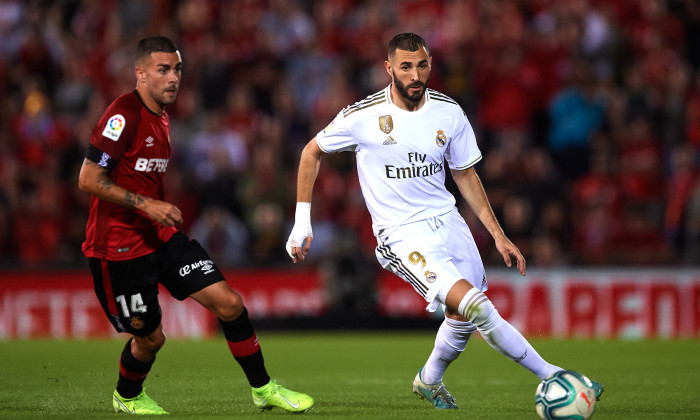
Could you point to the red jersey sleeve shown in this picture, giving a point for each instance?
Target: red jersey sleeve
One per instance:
(116, 130)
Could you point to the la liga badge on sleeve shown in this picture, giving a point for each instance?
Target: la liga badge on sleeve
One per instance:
(114, 127)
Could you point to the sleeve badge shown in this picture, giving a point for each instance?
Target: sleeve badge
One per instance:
(115, 126)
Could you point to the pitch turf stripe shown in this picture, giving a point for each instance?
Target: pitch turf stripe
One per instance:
(398, 267)
(377, 102)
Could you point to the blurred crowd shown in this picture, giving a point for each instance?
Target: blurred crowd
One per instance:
(587, 113)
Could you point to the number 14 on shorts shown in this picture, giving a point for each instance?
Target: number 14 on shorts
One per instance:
(136, 301)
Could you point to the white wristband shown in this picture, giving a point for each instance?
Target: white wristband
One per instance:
(303, 212)
(301, 231)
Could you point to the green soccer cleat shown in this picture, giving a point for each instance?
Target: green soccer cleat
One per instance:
(437, 394)
(274, 395)
(141, 404)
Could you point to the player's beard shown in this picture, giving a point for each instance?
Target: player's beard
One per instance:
(403, 89)
(168, 97)
(162, 96)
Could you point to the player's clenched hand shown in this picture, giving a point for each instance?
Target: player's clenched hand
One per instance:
(508, 251)
(299, 241)
(164, 213)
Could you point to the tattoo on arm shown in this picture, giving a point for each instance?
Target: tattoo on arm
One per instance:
(132, 200)
(106, 183)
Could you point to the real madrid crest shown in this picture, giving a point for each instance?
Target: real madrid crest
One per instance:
(440, 139)
(430, 277)
(386, 124)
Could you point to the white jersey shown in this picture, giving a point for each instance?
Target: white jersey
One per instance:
(401, 154)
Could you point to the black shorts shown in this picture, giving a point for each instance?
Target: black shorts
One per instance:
(128, 290)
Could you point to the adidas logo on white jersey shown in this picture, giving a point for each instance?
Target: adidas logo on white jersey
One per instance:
(389, 141)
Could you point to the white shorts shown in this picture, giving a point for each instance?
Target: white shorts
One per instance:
(432, 255)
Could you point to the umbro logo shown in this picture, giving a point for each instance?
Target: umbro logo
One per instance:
(389, 140)
(149, 141)
(207, 266)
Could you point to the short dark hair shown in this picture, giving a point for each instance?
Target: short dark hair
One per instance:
(153, 44)
(407, 41)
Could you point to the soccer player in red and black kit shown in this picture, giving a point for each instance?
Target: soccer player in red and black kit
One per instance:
(132, 243)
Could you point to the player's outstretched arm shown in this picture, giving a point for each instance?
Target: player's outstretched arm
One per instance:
(300, 238)
(472, 190)
(93, 179)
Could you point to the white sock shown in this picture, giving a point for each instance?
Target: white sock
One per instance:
(450, 341)
(509, 342)
(501, 335)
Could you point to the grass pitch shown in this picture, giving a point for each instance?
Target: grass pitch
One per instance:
(358, 375)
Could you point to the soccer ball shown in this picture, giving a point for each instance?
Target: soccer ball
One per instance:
(565, 395)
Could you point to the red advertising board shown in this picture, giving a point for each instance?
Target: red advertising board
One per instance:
(62, 304)
(585, 303)
(557, 303)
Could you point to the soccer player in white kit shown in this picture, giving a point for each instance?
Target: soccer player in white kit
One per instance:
(405, 138)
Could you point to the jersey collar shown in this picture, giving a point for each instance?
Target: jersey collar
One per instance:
(387, 93)
(144, 104)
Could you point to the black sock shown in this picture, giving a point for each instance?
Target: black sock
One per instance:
(132, 373)
(243, 343)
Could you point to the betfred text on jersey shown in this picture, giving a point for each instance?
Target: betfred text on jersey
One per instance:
(151, 165)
